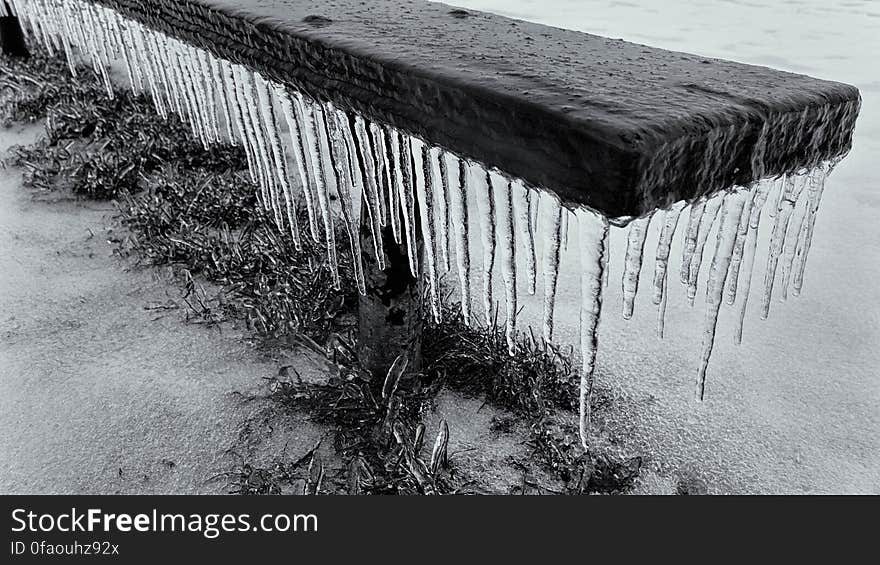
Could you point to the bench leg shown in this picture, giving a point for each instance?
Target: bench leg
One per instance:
(11, 37)
(389, 316)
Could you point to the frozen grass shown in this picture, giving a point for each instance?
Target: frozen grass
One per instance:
(196, 210)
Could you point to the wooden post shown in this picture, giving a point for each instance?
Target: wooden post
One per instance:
(11, 37)
(390, 315)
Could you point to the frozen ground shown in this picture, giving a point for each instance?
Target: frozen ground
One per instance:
(796, 408)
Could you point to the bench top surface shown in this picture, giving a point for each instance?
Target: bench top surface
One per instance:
(619, 126)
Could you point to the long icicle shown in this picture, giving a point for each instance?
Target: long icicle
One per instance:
(371, 188)
(348, 188)
(690, 238)
(292, 115)
(503, 194)
(425, 194)
(661, 265)
(710, 213)
(235, 106)
(817, 187)
(279, 159)
(459, 215)
(389, 196)
(791, 190)
(440, 179)
(551, 235)
(762, 192)
(792, 239)
(314, 124)
(402, 158)
(742, 232)
(593, 229)
(731, 210)
(521, 206)
(225, 107)
(632, 263)
(479, 182)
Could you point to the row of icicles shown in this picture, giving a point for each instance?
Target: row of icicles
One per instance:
(411, 185)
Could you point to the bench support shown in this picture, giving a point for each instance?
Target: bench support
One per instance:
(390, 314)
(11, 37)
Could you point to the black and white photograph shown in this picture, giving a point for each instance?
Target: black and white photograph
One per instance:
(404, 247)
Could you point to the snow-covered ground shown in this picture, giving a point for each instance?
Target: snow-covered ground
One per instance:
(796, 408)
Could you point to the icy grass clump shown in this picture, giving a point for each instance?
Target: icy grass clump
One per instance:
(346, 164)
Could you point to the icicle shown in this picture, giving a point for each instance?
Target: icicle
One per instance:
(710, 212)
(279, 159)
(731, 210)
(502, 191)
(439, 176)
(253, 128)
(790, 191)
(479, 183)
(661, 268)
(816, 188)
(606, 259)
(206, 79)
(370, 187)
(319, 153)
(564, 231)
(151, 71)
(189, 92)
(762, 191)
(238, 115)
(521, 206)
(390, 213)
(292, 115)
(792, 238)
(172, 71)
(193, 65)
(551, 235)
(632, 263)
(742, 232)
(425, 192)
(91, 29)
(348, 187)
(593, 230)
(67, 34)
(459, 216)
(215, 68)
(152, 39)
(690, 238)
(403, 178)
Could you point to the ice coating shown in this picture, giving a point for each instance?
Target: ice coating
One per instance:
(384, 170)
